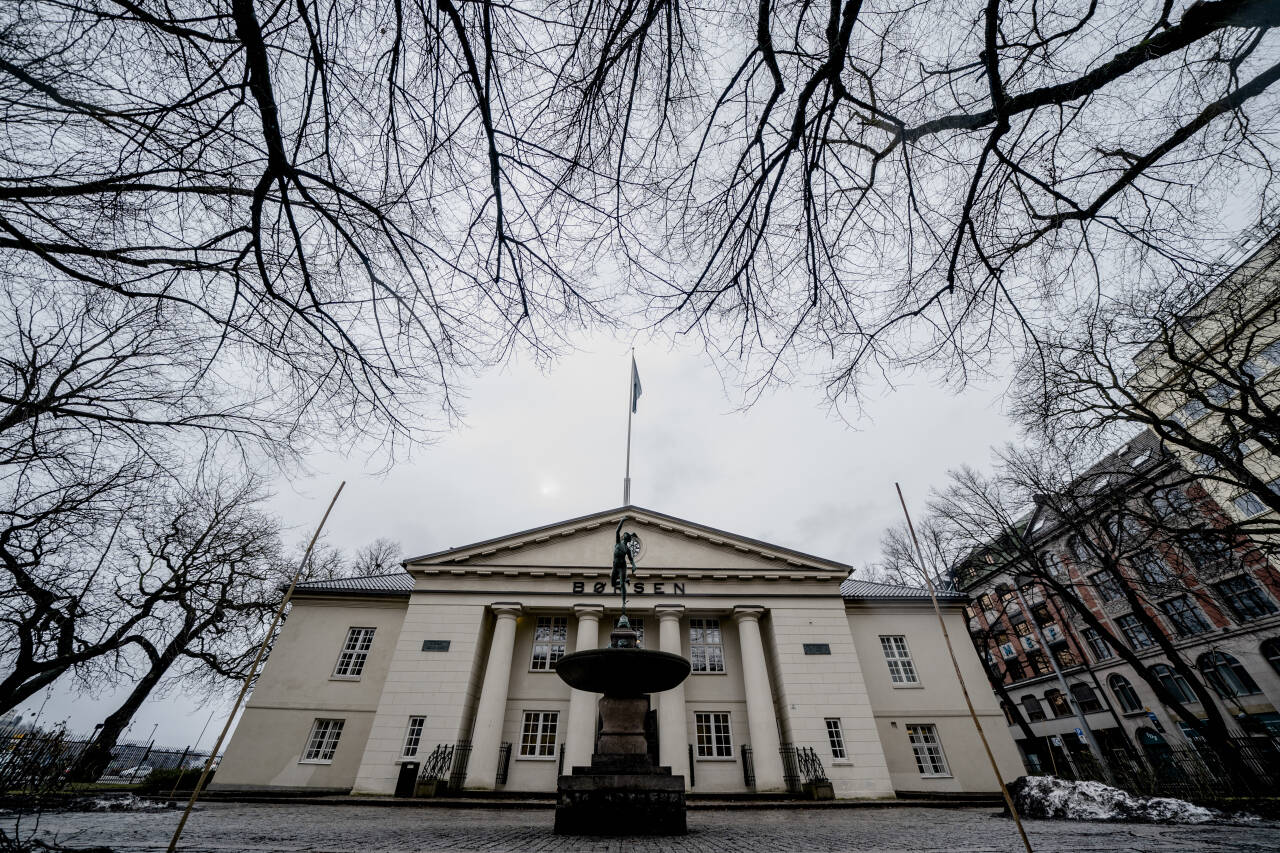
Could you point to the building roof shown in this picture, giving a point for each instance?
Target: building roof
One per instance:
(857, 590)
(395, 584)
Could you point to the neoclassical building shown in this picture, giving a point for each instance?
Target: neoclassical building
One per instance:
(460, 649)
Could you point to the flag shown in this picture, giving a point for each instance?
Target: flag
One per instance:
(635, 384)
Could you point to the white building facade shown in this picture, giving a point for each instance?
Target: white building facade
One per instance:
(371, 672)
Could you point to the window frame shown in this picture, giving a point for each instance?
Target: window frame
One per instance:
(550, 644)
(928, 731)
(901, 666)
(701, 649)
(1033, 708)
(319, 742)
(1123, 691)
(1098, 645)
(411, 735)
(1184, 616)
(1238, 602)
(1173, 682)
(353, 653)
(835, 739)
(1136, 626)
(712, 743)
(539, 736)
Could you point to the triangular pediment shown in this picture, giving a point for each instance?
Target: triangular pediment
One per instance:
(669, 543)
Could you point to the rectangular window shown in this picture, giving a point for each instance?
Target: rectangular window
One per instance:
(1107, 585)
(538, 734)
(898, 657)
(1097, 645)
(1208, 551)
(1035, 711)
(1039, 663)
(1151, 569)
(1245, 599)
(928, 750)
(413, 737)
(706, 646)
(1064, 657)
(1184, 616)
(323, 741)
(1058, 703)
(549, 636)
(836, 736)
(355, 651)
(1137, 635)
(1014, 668)
(713, 735)
(1248, 504)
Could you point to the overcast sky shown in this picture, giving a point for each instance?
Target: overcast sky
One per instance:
(539, 447)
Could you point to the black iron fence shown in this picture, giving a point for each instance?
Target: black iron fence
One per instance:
(504, 762)
(1186, 772)
(33, 758)
(748, 767)
(800, 766)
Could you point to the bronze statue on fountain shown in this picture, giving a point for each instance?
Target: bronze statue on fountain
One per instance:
(623, 791)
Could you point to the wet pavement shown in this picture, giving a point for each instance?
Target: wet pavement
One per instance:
(288, 828)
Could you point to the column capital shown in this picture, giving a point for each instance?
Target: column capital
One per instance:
(589, 611)
(511, 609)
(747, 612)
(668, 612)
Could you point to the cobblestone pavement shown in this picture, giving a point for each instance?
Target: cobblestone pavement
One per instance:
(220, 827)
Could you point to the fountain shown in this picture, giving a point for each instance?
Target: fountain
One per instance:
(623, 791)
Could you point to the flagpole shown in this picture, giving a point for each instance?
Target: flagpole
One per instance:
(631, 392)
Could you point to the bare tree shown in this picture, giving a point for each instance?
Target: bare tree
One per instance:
(381, 556)
(217, 557)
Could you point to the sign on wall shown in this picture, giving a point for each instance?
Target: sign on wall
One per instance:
(634, 588)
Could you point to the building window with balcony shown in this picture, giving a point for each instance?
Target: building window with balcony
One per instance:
(355, 651)
(538, 734)
(1126, 696)
(1086, 698)
(928, 750)
(1058, 703)
(706, 645)
(1137, 636)
(1035, 711)
(1226, 675)
(1107, 585)
(714, 738)
(1184, 616)
(322, 743)
(1174, 683)
(902, 671)
(550, 634)
(1245, 598)
(1097, 645)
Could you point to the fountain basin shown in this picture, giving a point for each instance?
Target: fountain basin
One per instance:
(622, 673)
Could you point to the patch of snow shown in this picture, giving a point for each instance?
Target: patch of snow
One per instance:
(1051, 797)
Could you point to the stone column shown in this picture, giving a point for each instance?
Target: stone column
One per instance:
(486, 735)
(673, 727)
(762, 722)
(580, 736)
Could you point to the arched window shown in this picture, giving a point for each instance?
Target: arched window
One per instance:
(1058, 703)
(1126, 696)
(1174, 683)
(1271, 651)
(1226, 675)
(1086, 698)
(1079, 550)
(1031, 704)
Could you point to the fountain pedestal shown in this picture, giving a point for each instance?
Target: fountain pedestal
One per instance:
(623, 791)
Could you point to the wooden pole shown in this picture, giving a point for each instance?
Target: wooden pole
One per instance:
(253, 669)
(946, 636)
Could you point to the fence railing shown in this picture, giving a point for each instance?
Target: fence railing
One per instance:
(801, 766)
(504, 762)
(1186, 772)
(748, 767)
